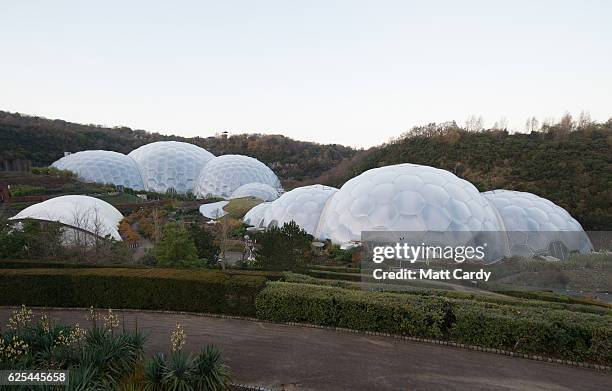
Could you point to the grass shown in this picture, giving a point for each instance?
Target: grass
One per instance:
(238, 207)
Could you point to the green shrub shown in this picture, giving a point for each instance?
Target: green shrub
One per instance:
(526, 329)
(156, 289)
(553, 333)
(337, 307)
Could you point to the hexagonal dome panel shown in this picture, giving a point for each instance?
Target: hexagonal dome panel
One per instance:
(258, 190)
(255, 216)
(405, 197)
(536, 225)
(170, 165)
(224, 174)
(102, 167)
(302, 205)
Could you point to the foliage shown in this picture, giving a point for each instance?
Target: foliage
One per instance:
(33, 239)
(177, 248)
(337, 307)
(159, 289)
(284, 248)
(103, 358)
(97, 358)
(26, 190)
(527, 329)
(43, 141)
(53, 171)
(204, 242)
(185, 372)
(571, 168)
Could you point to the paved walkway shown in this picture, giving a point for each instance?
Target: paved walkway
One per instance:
(302, 358)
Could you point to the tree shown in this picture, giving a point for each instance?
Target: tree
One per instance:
(532, 125)
(204, 242)
(31, 239)
(474, 123)
(176, 248)
(284, 248)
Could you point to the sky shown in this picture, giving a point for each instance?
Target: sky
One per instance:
(350, 72)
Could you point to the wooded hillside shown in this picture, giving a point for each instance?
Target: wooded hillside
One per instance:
(569, 163)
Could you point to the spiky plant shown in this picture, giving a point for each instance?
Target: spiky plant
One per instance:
(210, 373)
(154, 373)
(178, 372)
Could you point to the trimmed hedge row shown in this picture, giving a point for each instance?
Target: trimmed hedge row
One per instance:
(159, 289)
(428, 317)
(554, 333)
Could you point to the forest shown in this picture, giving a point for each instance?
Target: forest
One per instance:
(569, 162)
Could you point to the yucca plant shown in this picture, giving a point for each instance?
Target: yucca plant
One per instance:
(154, 373)
(210, 373)
(178, 372)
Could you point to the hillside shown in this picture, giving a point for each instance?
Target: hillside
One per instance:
(44, 141)
(570, 166)
(566, 163)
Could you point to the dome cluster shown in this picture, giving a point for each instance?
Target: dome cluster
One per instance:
(176, 167)
(430, 201)
(226, 174)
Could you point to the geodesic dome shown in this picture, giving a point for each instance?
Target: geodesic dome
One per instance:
(255, 216)
(258, 190)
(170, 165)
(81, 212)
(405, 197)
(102, 167)
(224, 174)
(302, 205)
(536, 225)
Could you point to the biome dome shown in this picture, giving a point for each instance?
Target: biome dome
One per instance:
(81, 212)
(258, 190)
(536, 225)
(255, 216)
(102, 167)
(224, 174)
(406, 197)
(302, 205)
(170, 165)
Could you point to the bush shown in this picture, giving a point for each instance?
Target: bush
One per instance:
(532, 330)
(177, 248)
(155, 289)
(372, 311)
(554, 333)
(284, 248)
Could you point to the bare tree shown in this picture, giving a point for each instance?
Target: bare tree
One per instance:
(567, 122)
(474, 123)
(224, 229)
(501, 124)
(584, 120)
(532, 125)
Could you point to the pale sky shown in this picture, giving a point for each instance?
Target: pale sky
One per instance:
(349, 72)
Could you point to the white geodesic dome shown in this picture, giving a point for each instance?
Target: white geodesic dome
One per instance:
(224, 174)
(81, 212)
(536, 225)
(103, 167)
(302, 205)
(405, 197)
(255, 216)
(170, 165)
(258, 190)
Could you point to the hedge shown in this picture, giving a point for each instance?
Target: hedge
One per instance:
(427, 317)
(532, 330)
(157, 289)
